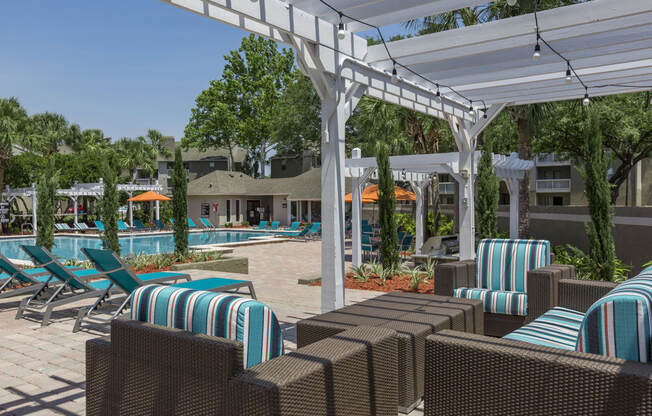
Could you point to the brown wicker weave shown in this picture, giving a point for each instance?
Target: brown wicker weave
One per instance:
(467, 374)
(151, 370)
(412, 316)
(542, 292)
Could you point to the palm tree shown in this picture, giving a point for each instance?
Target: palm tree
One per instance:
(13, 124)
(47, 132)
(131, 154)
(90, 141)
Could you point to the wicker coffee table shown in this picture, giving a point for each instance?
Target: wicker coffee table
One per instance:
(413, 316)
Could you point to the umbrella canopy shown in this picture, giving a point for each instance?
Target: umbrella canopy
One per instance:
(149, 196)
(370, 194)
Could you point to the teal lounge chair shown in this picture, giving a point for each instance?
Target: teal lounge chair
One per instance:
(261, 225)
(172, 221)
(298, 234)
(15, 280)
(294, 226)
(191, 223)
(100, 225)
(206, 223)
(159, 224)
(315, 230)
(123, 277)
(138, 225)
(274, 225)
(122, 226)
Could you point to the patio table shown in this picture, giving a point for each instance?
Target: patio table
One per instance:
(413, 316)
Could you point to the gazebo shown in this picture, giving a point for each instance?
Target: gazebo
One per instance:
(79, 189)
(465, 76)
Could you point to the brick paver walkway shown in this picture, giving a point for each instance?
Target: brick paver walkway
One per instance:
(42, 369)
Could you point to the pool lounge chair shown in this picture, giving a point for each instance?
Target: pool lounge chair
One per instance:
(122, 276)
(171, 221)
(122, 226)
(63, 227)
(297, 234)
(294, 226)
(159, 224)
(274, 225)
(100, 225)
(139, 226)
(315, 231)
(83, 227)
(206, 223)
(15, 280)
(191, 223)
(261, 225)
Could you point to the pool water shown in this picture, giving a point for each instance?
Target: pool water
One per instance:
(69, 247)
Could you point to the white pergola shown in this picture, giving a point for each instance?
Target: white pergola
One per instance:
(78, 190)
(418, 170)
(607, 41)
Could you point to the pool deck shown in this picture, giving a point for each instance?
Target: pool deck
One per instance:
(42, 369)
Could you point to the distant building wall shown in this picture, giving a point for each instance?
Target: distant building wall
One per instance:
(280, 209)
(198, 205)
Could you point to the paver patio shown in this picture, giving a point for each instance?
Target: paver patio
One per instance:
(42, 369)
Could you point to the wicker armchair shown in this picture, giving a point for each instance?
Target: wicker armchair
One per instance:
(145, 369)
(541, 291)
(469, 374)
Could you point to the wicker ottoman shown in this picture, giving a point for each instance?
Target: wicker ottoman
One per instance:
(413, 316)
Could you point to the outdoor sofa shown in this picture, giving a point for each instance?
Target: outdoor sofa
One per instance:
(588, 356)
(153, 365)
(514, 278)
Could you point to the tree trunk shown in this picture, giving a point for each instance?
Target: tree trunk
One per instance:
(525, 153)
(231, 161)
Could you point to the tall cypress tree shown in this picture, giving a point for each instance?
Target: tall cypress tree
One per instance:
(180, 205)
(386, 209)
(109, 206)
(488, 194)
(46, 192)
(602, 251)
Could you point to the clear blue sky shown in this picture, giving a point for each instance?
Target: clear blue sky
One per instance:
(123, 66)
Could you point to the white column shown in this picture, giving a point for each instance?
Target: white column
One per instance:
(131, 210)
(638, 184)
(512, 187)
(34, 219)
(464, 176)
(74, 201)
(332, 196)
(157, 206)
(418, 188)
(356, 215)
(309, 211)
(289, 211)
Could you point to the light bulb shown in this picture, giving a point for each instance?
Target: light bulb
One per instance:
(394, 76)
(471, 111)
(569, 78)
(511, 2)
(341, 31)
(537, 52)
(586, 100)
(484, 113)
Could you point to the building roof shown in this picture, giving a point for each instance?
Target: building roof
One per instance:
(306, 186)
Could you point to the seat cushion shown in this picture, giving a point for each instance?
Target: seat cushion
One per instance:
(222, 315)
(558, 328)
(496, 301)
(620, 323)
(502, 264)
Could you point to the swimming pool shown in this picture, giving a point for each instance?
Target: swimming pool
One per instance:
(69, 247)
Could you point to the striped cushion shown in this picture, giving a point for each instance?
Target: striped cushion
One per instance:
(503, 264)
(558, 328)
(496, 301)
(216, 314)
(619, 324)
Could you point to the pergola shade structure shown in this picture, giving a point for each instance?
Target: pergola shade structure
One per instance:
(418, 170)
(607, 41)
(77, 190)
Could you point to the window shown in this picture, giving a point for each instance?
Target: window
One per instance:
(205, 209)
(228, 210)
(237, 210)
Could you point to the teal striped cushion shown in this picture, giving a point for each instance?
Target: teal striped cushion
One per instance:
(502, 264)
(558, 328)
(496, 301)
(619, 324)
(221, 315)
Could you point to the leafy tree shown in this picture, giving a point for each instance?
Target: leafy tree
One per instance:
(157, 141)
(242, 107)
(47, 132)
(386, 209)
(88, 142)
(488, 194)
(109, 206)
(46, 193)
(602, 252)
(180, 205)
(13, 125)
(132, 154)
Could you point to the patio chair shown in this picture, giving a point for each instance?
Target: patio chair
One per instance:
(122, 276)
(191, 223)
(405, 244)
(74, 285)
(590, 355)
(274, 225)
(206, 223)
(231, 369)
(261, 225)
(83, 227)
(159, 224)
(512, 277)
(100, 225)
(64, 227)
(294, 226)
(139, 226)
(367, 229)
(315, 231)
(122, 226)
(15, 280)
(368, 247)
(299, 235)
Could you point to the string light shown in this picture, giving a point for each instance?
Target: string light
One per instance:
(341, 29)
(484, 113)
(569, 77)
(537, 50)
(394, 74)
(471, 110)
(586, 101)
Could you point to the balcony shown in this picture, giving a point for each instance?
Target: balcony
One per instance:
(553, 185)
(550, 159)
(446, 188)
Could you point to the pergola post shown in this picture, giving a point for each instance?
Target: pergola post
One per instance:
(34, 219)
(418, 188)
(74, 201)
(157, 206)
(356, 215)
(513, 188)
(131, 210)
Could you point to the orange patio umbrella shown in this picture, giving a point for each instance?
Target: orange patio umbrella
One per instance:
(149, 196)
(370, 194)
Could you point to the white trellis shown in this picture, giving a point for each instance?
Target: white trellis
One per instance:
(78, 190)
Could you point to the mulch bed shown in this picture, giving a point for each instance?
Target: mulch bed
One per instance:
(398, 283)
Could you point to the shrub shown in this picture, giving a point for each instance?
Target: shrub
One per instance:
(360, 272)
(584, 266)
(488, 194)
(386, 209)
(46, 192)
(446, 225)
(109, 205)
(180, 205)
(245, 223)
(228, 225)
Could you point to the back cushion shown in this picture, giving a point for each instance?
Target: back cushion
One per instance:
(217, 314)
(618, 324)
(502, 264)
